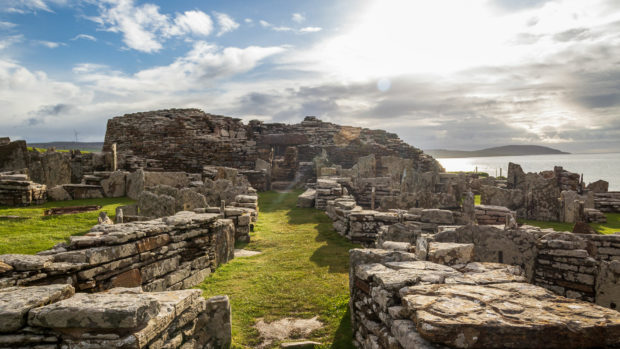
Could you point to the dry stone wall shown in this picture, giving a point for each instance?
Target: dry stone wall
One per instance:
(398, 301)
(53, 316)
(53, 168)
(18, 190)
(164, 254)
(176, 139)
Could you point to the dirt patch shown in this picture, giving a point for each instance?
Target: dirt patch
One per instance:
(287, 328)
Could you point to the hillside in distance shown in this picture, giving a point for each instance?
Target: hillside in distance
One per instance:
(84, 146)
(506, 150)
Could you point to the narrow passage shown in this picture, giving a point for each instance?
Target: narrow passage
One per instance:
(302, 272)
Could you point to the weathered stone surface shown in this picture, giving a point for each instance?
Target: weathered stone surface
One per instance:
(25, 262)
(447, 253)
(511, 314)
(5, 268)
(189, 200)
(173, 179)
(608, 284)
(153, 205)
(16, 302)
(135, 184)
(114, 186)
(96, 311)
(306, 199)
(58, 193)
(437, 216)
(599, 186)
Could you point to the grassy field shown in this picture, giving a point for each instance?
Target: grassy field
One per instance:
(302, 272)
(612, 225)
(38, 233)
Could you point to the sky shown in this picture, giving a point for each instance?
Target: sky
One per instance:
(449, 74)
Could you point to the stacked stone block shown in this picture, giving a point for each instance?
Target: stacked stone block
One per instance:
(607, 202)
(164, 254)
(493, 215)
(400, 302)
(55, 317)
(326, 189)
(19, 190)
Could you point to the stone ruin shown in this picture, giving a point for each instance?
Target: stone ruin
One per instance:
(557, 195)
(279, 154)
(133, 275)
(438, 270)
(468, 276)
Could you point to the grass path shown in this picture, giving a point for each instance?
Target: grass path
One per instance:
(40, 233)
(302, 272)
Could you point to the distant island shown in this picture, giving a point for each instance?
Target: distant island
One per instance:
(84, 146)
(506, 150)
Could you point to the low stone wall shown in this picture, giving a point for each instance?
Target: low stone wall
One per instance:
(607, 202)
(19, 190)
(398, 301)
(581, 266)
(493, 215)
(364, 226)
(170, 253)
(326, 189)
(54, 316)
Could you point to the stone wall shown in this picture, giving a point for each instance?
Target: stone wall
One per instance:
(490, 215)
(164, 254)
(581, 266)
(180, 140)
(18, 190)
(398, 301)
(53, 168)
(54, 316)
(607, 202)
(187, 139)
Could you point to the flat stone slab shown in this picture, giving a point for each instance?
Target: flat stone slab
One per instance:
(97, 311)
(508, 315)
(26, 262)
(246, 253)
(16, 302)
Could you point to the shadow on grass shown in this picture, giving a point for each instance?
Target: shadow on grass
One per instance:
(343, 338)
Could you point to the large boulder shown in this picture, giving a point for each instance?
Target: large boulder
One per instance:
(153, 205)
(58, 193)
(135, 184)
(114, 186)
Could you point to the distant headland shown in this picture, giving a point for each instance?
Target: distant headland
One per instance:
(506, 150)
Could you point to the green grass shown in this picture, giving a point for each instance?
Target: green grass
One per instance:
(302, 272)
(39, 233)
(612, 225)
(43, 150)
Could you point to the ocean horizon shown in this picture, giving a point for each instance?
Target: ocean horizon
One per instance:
(605, 166)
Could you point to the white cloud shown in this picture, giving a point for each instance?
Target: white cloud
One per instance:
(226, 23)
(266, 24)
(10, 40)
(24, 6)
(85, 37)
(192, 22)
(310, 29)
(145, 28)
(298, 17)
(7, 25)
(87, 68)
(248, 20)
(50, 44)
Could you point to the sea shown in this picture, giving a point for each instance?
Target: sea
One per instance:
(593, 166)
